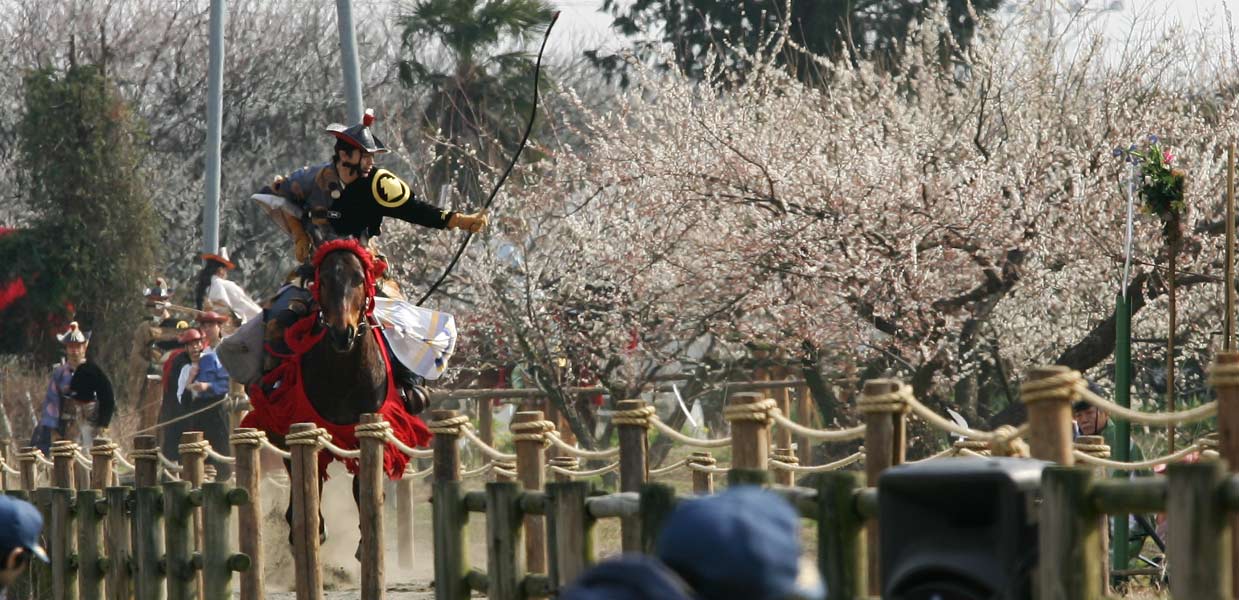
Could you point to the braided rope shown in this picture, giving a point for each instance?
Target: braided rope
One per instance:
(216, 456)
(486, 449)
(171, 475)
(895, 401)
(482, 470)
(510, 474)
(1192, 415)
(169, 464)
(247, 438)
(531, 431)
(942, 423)
(578, 474)
(63, 449)
(701, 458)
(378, 430)
(198, 447)
(7, 469)
(325, 442)
(83, 460)
(639, 417)
(418, 474)
(828, 466)
(707, 468)
(107, 449)
(821, 435)
(575, 451)
(1134, 466)
(123, 462)
(948, 453)
(36, 456)
(406, 449)
(971, 454)
(759, 411)
(671, 432)
(268, 446)
(1097, 450)
(449, 426)
(1224, 375)
(669, 468)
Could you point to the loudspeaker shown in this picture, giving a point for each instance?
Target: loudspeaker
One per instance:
(959, 529)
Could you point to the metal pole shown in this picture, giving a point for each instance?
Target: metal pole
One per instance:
(348, 59)
(1228, 342)
(215, 115)
(1122, 428)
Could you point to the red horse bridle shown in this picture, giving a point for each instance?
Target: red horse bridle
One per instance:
(373, 269)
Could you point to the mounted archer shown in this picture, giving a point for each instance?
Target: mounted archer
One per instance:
(349, 197)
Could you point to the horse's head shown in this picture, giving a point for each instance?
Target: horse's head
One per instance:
(344, 288)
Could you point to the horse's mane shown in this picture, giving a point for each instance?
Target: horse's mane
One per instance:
(373, 268)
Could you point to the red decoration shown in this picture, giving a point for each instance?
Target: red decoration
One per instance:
(374, 269)
(368, 119)
(288, 404)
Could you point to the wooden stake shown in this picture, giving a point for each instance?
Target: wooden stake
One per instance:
(1200, 534)
(531, 470)
(634, 470)
(116, 540)
(1228, 438)
(248, 474)
(370, 500)
(305, 500)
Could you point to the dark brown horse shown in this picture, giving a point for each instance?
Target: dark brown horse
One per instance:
(344, 374)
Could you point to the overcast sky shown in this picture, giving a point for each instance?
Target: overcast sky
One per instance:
(583, 26)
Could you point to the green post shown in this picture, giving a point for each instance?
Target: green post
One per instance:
(63, 548)
(1070, 562)
(41, 572)
(1122, 428)
(505, 558)
(841, 547)
(91, 564)
(178, 522)
(657, 502)
(747, 477)
(148, 543)
(218, 561)
(450, 520)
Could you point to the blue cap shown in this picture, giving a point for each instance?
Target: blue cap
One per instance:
(742, 543)
(628, 577)
(20, 526)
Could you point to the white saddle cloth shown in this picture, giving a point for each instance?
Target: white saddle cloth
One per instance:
(421, 338)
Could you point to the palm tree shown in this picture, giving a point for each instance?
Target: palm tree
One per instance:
(468, 56)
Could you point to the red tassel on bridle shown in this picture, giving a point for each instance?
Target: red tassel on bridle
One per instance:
(373, 269)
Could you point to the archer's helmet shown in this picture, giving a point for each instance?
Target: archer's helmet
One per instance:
(359, 135)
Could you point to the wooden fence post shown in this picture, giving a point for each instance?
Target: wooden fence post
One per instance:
(785, 455)
(303, 441)
(404, 519)
(486, 424)
(1095, 445)
(41, 573)
(145, 460)
(841, 557)
(370, 507)
(1070, 567)
(1225, 379)
(218, 562)
(448, 509)
(1049, 413)
(504, 567)
(102, 454)
(63, 542)
(783, 401)
(63, 463)
(91, 565)
(27, 462)
(147, 532)
(1200, 537)
(116, 540)
(6, 456)
(632, 420)
(178, 525)
(804, 412)
(192, 449)
(246, 445)
(573, 531)
(703, 481)
(884, 411)
(657, 502)
(750, 421)
(529, 436)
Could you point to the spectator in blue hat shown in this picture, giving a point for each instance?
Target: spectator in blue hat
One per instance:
(742, 543)
(629, 577)
(20, 526)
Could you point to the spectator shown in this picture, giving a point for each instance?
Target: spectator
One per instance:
(193, 400)
(54, 416)
(211, 324)
(631, 577)
(91, 391)
(742, 543)
(20, 527)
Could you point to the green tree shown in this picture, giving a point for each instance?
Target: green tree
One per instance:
(837, 29)
(91, 245)
(468, 56)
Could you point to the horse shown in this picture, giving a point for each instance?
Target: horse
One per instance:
(342, 367)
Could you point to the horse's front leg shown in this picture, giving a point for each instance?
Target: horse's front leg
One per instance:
(288, 514)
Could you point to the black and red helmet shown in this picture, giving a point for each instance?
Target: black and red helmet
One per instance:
(359, 135)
